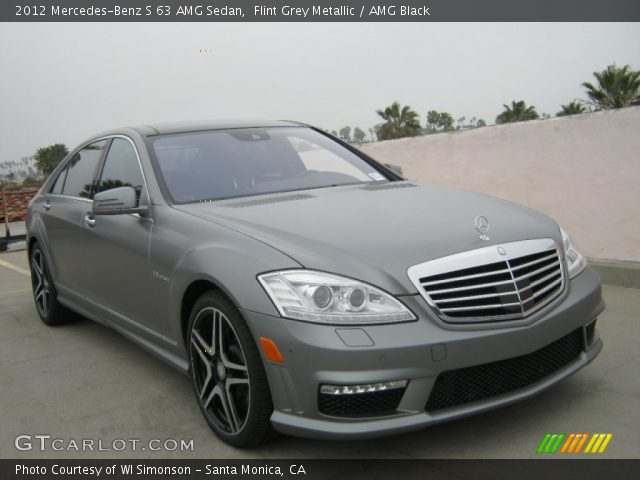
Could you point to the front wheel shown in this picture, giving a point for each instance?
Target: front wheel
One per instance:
(227, 372)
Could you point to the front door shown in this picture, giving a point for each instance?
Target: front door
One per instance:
(116, 249)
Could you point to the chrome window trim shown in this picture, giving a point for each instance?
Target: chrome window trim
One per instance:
(483, 256)
(70, 197)
(94, 140)
(101, 165)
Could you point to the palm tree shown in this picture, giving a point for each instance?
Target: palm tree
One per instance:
(445, 121)
(399, 122)
(617, 88)
(517, 112)
(48, 158)
(433, 119)
(572, 108)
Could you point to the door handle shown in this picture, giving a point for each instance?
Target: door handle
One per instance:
(89, 220)
(47, 205)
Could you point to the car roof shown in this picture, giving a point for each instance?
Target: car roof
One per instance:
(184, 127)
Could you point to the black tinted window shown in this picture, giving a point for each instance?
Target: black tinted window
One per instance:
(121, 168)
(81, 170)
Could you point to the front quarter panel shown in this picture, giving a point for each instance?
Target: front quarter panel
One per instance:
(186, 249)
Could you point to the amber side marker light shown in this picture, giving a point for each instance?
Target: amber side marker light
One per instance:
(271, 350)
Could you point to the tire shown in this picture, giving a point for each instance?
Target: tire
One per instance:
(45, 295)
(227, 373)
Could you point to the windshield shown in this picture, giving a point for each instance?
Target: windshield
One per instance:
(219, 164)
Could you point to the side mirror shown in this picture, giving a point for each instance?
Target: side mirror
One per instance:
(117, 201)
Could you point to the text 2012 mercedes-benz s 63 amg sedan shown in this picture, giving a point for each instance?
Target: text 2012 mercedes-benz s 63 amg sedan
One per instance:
(303, 286)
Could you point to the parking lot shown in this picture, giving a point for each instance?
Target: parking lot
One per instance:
(84, 381)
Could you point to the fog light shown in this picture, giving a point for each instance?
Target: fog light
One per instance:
(363, 388)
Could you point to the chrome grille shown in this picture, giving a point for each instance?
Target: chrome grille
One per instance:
(500, 282)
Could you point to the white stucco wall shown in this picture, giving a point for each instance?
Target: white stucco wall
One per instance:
(584, 171)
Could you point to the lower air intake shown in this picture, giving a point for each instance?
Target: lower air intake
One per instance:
(471, 384)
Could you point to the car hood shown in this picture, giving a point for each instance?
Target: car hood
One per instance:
(375, 232)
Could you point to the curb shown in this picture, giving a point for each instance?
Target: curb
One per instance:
(13, 244)
(617, 272)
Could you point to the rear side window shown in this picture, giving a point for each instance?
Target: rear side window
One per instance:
(81, 170)
(121, 168)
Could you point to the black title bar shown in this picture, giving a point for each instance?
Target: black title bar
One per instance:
(297, 469)
(320, 11)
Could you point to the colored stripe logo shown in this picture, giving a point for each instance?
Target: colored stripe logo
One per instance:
(573, 443)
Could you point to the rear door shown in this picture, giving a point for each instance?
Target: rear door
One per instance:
(62, 212)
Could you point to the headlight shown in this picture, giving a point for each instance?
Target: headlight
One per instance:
(324, 298)
(575, 261)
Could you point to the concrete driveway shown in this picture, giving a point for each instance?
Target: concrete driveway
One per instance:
(83, 380)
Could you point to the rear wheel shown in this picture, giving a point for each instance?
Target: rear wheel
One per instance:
(51, 312)
(227, 372)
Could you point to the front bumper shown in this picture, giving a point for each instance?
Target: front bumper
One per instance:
(418, 352)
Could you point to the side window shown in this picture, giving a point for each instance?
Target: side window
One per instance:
(81, 170)
(59, 183)
(121, 168)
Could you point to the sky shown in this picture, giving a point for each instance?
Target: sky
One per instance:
(63, 82)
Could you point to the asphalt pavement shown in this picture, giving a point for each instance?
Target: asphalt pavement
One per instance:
(84, 381)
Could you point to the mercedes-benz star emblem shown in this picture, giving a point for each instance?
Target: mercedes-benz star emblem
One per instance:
(482, 226)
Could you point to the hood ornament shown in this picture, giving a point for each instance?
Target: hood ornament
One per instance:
(482, 226)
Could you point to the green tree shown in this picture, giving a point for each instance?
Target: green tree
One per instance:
(445, 122)
(572, 108)
(481, 123)
(48, 158)
(433, 120)
(345, 134)
(399, 122)
(439, 122)
(517, 112)
(617, 87)
(359, 135)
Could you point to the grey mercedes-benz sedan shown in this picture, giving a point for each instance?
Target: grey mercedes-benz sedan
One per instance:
(304, 287)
